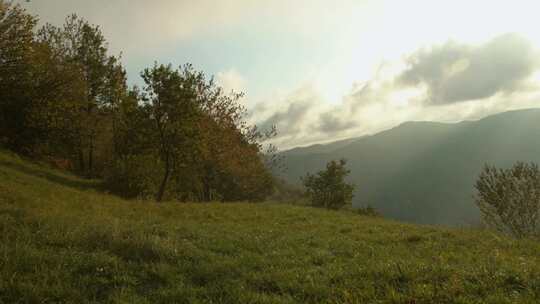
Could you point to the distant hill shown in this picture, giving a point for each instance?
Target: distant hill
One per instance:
(424, 172)
(322, 148)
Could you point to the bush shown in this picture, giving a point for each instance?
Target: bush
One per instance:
(328, 187)
(133, 176)
(367, 211)
(287, 193)
(509, 199)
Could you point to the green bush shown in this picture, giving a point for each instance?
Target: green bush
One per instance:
(134, 176)
(328, 188)
(367, 211)
(509, 199)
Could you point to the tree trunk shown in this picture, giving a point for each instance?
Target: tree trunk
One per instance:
(91, 158)
(206, 191)
(81, 160)
(207, 196)
(164, 181)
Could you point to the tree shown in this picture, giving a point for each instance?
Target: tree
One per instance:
(509, 199)
(328, 188)
(132, 170)
(185, 133)
(16, 38)
(172, 100)
(16, 52)
(63, 98)
(235, 166)
(81, 47)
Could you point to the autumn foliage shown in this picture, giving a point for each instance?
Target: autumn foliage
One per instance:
(64, 98)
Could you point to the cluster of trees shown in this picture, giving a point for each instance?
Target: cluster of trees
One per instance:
(63, 97)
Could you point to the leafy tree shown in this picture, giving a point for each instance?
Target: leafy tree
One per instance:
(16, 52)
(81, 47)
(54, 103)
(16, 39)
(33, 87)
(192, 136)
(64, 99)
(509, 199)
(205, 148)
(133, 168)
(328, 188)
(233, 158)
(172, 101)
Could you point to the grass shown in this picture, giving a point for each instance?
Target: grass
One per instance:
(62, 240)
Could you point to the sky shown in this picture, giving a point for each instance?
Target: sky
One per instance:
(323, 70)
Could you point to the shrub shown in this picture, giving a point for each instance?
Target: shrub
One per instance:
(133, 176)
(328, 187)
(509, 199)
(367, 211)
(287, 193)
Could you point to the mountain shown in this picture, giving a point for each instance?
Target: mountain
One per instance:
(424, 172)
(322, 148)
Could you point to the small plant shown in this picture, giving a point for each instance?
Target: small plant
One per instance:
(328, 188)
(509, 199)
(367, 211)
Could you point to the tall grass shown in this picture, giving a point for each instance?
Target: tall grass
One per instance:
(62, 240)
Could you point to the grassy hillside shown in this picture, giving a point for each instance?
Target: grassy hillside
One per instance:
(424, 172)
(64, 241)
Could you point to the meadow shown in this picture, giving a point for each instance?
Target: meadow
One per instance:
(63, 240)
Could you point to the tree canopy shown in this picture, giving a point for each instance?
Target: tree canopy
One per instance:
(65, 98)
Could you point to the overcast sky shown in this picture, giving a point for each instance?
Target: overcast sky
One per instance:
(328, 70)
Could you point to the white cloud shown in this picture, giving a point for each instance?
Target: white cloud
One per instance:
(499, 76)
(231, 80)
(456, 72)
(331, 45)
(142, 26)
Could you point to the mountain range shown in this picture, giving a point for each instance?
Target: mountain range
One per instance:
(424, 172)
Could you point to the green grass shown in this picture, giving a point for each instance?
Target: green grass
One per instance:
(62, 240)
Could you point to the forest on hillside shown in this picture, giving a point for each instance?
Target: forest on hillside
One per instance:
(65, 99)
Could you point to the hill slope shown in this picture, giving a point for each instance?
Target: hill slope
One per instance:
(424, 172)
(63, 241)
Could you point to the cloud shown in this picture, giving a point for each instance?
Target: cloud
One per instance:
(231, 80)
(295, 115)
(446, 83)
(456, 72)
(303, 117)
(332, 122)
(280, 44)
(140, 25)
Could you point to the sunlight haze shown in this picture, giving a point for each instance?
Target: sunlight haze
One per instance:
(325, 70)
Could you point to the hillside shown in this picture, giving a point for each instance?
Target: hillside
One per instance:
(424, 172)
(64, 241)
